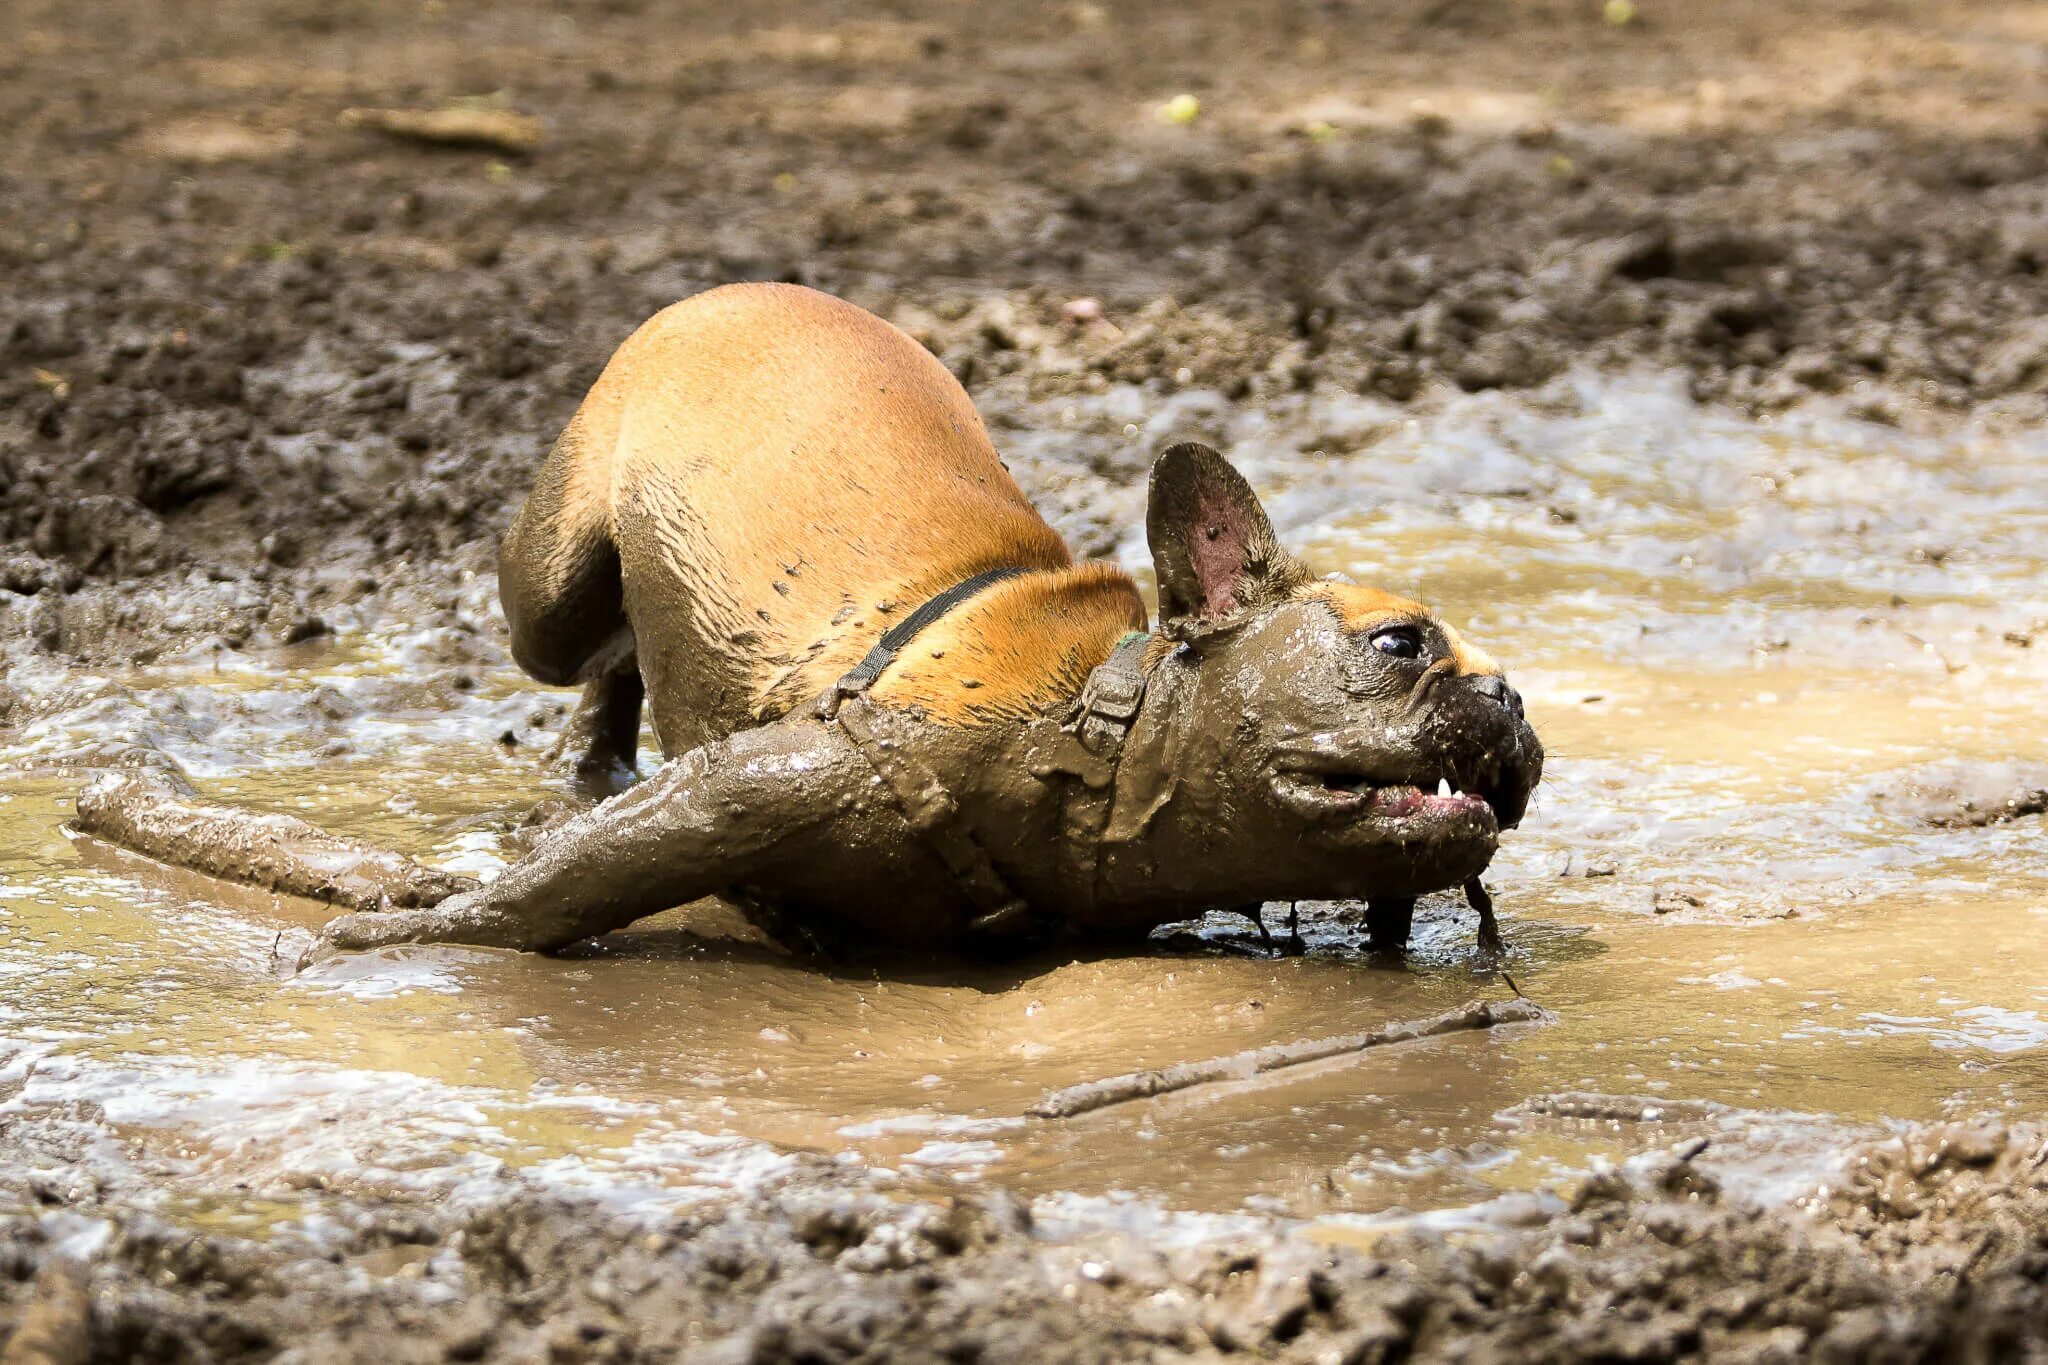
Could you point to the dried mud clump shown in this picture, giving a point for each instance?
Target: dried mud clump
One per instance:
(1970, 796)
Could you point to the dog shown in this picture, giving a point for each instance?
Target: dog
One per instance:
(891, 705)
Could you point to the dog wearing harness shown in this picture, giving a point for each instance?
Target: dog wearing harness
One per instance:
(893, 707)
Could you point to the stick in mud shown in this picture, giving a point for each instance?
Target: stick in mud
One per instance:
(1074, 1100)
(502, 130)
(148, 814)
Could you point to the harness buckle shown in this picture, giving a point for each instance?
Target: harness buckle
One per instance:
(1111, 697)
(854, 682)
(1113, 694)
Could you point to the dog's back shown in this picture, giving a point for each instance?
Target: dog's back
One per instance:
(762, 481)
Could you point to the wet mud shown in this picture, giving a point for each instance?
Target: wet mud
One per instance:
(1977, 795)
(1692, 364)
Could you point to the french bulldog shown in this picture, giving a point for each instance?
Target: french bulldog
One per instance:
(892, 706)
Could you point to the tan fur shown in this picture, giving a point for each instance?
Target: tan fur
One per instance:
(1471, 658)
(1017, 648)
(785, 476)
(1366, 609)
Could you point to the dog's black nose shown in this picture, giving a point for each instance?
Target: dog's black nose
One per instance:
(1495, 686)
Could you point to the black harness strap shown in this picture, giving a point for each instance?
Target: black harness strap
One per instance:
(1102, 717)
(927, 806)
(862, 675)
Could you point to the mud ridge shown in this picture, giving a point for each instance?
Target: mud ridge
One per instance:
(1932, 1247)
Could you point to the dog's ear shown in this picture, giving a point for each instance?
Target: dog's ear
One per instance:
(1213, 549)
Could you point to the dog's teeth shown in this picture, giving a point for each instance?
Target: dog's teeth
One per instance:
(1443, 786)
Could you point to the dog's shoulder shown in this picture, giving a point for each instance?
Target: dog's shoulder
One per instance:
(1017, 648)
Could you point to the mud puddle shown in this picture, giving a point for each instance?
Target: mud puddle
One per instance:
(1760, 657)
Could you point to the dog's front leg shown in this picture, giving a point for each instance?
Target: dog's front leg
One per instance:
(709, 820)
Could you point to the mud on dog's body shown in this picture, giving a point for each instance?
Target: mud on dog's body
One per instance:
(765, 482)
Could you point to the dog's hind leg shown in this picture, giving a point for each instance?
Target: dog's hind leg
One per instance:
(160, 818)
(599, 747)
(558, 578)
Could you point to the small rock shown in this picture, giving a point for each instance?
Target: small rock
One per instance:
(282, 548)
(331, 703)
(302, 629)
(1673, 898)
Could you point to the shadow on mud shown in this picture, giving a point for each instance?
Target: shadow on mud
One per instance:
(1442, 945)
(714, 933)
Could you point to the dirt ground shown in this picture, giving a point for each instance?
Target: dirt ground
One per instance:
(260, 360)
(1935, 1248)
(251, 340)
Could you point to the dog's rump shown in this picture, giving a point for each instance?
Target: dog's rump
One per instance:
(781, 475)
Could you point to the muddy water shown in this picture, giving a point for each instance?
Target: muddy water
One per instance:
(1740, 642)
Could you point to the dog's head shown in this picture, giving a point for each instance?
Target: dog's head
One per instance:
(1357, 742)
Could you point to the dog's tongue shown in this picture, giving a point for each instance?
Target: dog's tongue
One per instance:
(1397, 802)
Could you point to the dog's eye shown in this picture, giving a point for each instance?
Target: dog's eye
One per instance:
(1403, 642)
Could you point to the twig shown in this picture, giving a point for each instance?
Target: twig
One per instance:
(1089, 1096)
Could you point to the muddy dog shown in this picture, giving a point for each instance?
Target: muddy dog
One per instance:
(892, 706)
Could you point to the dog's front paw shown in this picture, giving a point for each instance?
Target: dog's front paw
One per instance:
(356, 933)
(467, 918)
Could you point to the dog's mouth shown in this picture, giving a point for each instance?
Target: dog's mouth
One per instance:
(1349, 796)
(1418, 804)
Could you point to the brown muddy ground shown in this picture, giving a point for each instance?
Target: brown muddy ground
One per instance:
(1935, 1248)
(245, 336)
(261, 365)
